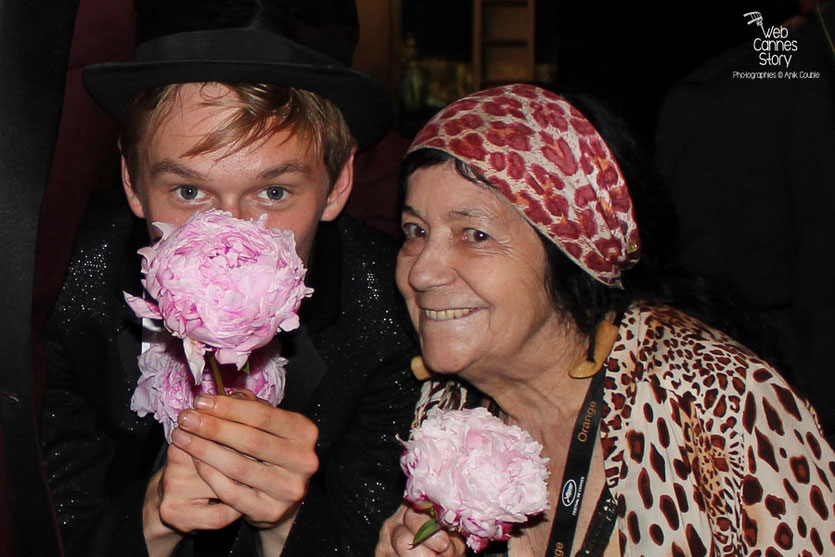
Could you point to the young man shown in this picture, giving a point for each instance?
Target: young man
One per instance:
(243, 119)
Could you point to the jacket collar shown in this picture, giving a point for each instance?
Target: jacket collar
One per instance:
(324, 276)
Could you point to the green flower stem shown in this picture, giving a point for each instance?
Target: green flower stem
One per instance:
(430, 526)
(216, 372)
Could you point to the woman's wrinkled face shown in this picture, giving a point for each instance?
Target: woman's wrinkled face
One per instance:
(472, 271)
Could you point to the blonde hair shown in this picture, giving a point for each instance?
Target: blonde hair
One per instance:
(260, 111)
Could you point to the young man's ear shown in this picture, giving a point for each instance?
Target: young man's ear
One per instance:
(341, 190)
(134, 200)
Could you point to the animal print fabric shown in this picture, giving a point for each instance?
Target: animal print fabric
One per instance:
(552, 164)
(707, 450)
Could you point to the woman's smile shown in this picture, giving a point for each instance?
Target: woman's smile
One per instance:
(448, 314)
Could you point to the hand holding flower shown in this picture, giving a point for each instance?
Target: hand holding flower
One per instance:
(223, 286)
(398, 533)
(474, 474)
(179, 502)
(272, 458)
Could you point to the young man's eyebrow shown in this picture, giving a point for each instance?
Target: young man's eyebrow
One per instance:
(294, 166)
(168, 166)
(171, 167)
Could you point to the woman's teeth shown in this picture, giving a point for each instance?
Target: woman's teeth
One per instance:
(446, 314)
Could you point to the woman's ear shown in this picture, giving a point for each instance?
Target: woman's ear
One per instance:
(341, 190)
(134, 199)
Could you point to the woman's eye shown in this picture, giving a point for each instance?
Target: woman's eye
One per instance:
(274, 193)
(190, 193)
(473, 235)
(412, 231)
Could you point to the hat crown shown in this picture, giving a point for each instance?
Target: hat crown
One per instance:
(306, 44)
(329, 27)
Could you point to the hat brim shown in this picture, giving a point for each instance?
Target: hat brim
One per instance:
(364, 102)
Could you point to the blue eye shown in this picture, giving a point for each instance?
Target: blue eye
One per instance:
(473, 235)
(274, 193)
(412, 231)
(189, 193)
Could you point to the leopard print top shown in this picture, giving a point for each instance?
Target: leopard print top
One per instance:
(707, 450)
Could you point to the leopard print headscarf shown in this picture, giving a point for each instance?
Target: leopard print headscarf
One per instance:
(551, 163)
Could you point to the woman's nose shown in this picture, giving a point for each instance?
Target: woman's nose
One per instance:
(432, 266)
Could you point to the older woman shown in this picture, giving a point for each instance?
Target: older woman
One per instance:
(520, 270)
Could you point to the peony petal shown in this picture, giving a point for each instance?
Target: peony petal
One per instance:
(196, 357)
(148, 253)
(289, 323)
(142, 307)
(166, 387)
(165, 228)
(476, 543)
(228, 356)
(142, 401)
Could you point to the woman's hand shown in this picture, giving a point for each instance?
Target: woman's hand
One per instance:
(399, 530)
(178, 502)
(257, 459)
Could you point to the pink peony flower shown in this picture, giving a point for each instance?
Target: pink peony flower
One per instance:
(477, 474)
(166, 387)
(222, 284)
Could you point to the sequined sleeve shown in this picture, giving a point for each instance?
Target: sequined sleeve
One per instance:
(97, 452)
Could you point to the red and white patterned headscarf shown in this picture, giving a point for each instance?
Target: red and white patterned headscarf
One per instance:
(551, 163)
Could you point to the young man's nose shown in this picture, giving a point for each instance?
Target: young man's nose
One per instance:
(231, 205)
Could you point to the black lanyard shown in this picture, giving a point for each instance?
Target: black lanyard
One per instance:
(577, 466)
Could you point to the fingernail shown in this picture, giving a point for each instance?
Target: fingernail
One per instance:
(189, 420)
(238, 394)
(180, 437)
(204, 403)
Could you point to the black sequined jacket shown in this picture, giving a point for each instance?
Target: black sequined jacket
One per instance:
(348, 371)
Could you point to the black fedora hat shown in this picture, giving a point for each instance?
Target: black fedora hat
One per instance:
(307, 44)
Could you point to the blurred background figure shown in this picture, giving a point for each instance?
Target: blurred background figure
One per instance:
(750, 164)
(33, 62)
